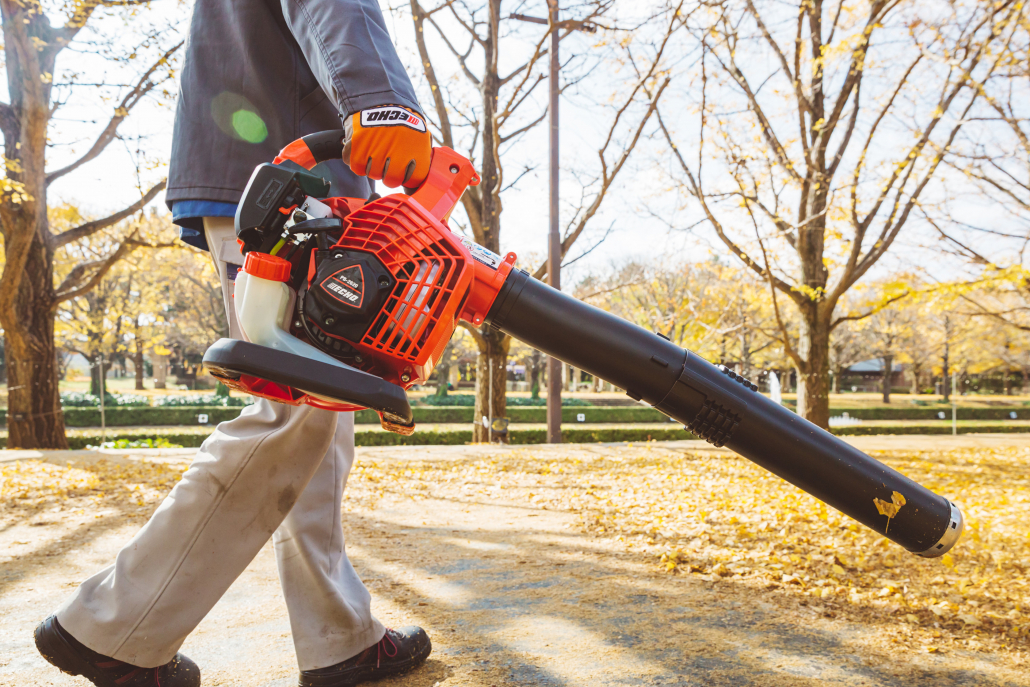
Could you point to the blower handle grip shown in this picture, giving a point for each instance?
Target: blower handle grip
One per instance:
(450, 173)
(309, 150)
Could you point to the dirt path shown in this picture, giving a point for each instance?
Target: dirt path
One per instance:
(513, 591)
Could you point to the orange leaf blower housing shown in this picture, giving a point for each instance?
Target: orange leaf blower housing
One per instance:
(439, 278)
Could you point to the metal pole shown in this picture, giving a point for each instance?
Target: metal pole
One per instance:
(103, 418)
(554, 366)
(490, 400)
(954, 404)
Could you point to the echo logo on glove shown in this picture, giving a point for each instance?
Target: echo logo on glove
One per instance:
(392, 116)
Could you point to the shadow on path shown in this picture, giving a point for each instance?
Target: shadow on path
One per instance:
(529, 601)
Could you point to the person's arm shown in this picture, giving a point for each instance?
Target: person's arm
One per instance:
(349, 50)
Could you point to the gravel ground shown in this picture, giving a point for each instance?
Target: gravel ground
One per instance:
(514, 587)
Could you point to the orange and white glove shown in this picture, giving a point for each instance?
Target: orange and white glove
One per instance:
(390, 143)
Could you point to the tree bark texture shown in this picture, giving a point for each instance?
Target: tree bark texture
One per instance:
(813, 386)
(137, 362)
(535, 362)
(491, 362)
(34, 418)
(888, 374)
(443, 370)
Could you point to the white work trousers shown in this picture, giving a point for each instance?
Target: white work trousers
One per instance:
(275, 471)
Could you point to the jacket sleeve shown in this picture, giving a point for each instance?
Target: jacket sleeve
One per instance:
(349, 50)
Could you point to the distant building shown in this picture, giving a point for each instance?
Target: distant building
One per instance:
(868, 376)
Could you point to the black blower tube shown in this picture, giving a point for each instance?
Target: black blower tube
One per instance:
(726, 410)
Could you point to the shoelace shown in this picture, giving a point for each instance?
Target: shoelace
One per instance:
(381, 647)
(132, 673)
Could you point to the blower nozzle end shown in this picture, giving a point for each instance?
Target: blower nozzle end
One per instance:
(950, 536)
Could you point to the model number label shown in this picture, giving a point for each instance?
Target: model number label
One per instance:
(480, 254)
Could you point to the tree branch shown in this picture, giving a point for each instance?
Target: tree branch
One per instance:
(871, 311)
(427, 69)
(89, 228)
(608, 177)
(143, 86)
(696, 192)
(68, 289)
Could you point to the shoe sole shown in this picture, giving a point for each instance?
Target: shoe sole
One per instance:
(372, 674)
(53, 647)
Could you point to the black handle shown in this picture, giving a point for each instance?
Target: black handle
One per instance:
(319, 224)
(326, 145)
(231, 358)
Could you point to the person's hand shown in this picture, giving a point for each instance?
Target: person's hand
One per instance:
(389, 142)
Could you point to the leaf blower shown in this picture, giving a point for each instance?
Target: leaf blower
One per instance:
(344, 303)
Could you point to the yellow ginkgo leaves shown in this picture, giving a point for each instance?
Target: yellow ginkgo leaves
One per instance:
(890, 508)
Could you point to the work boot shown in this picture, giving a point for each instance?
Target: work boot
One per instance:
(397, 652)
(72, 657)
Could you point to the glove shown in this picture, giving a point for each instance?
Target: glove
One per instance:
(389, 142)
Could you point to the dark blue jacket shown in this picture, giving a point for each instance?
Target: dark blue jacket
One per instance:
(261, 73)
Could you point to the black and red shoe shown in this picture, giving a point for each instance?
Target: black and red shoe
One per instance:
(67, 653)
(397, 652)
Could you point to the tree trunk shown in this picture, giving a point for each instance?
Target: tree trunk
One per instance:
(945, 372)
(745, 352)
(137, 361)
(534, 374)
(443, 375)
(491, 378)
(98, 375)
(888, 364)
(813, 385)
(34, 418)
(914, 388)
(443, 370)
(837, 371)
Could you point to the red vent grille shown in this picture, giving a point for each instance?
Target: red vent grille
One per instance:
(427, 265)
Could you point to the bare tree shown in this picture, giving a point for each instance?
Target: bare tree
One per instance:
(484, 110)
(996, 160)
(828, 123)
(33, 40)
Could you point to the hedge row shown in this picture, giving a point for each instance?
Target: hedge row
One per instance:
(143, 416)
(902, 413)
(943, 428)
(126, 416)
(594, 414)
(513, 401)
